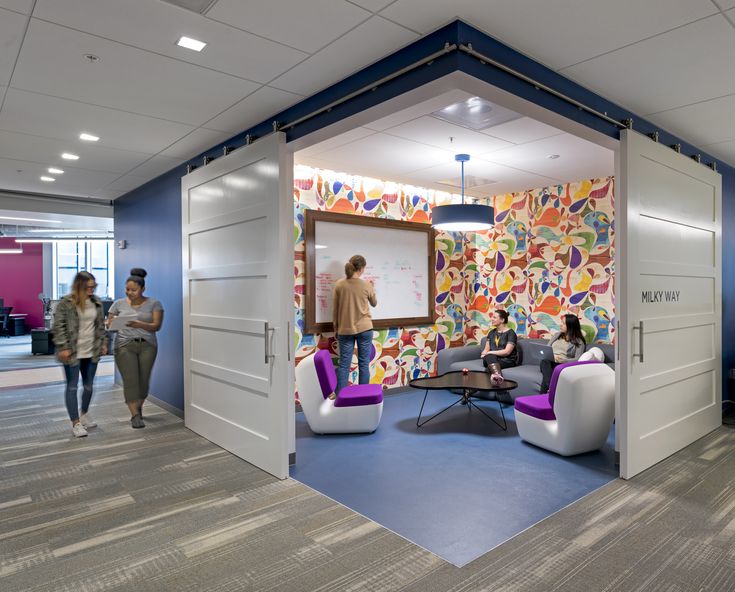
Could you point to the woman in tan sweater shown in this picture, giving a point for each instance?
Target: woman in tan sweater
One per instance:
(352, 322)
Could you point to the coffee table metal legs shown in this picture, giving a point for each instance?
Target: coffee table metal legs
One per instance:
(465, 399)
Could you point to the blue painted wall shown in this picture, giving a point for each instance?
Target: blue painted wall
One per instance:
(149, 217)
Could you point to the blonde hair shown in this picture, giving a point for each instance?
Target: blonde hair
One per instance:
(356, 263)
(79, 287)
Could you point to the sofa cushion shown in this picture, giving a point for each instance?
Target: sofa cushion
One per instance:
(325, 372)
(607, 348)
(475, 364)
(536, 406)
(359, 394)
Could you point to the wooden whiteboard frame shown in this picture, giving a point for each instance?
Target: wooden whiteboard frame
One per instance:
(310, 220)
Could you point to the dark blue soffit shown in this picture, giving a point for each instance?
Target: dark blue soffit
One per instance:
(456, 33)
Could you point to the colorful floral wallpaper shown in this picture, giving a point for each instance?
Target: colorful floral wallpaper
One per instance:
(550, 251)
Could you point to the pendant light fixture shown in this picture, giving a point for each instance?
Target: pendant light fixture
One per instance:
(462, 217)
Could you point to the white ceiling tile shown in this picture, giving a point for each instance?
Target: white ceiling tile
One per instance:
(23, 6)
(419, 109)
(126, 183)
(557, 34)
(126, 78)
(23, 175)
(195, 143)
(12, 26)
(228, 50)
(372, 5)
(63, 119)
(520, 131)
(723, 150)
(441, 134)
(503, 178)
(364, 45)
(308, 26)
(726, 4)
(155, 166)
(578, 158)
(374, 156)
(690, 64)
(251, 110)
(109, 194)
(708, 122)
(47, 152)
(327, 145)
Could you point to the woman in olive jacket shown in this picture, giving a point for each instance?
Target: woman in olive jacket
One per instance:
(79, 337)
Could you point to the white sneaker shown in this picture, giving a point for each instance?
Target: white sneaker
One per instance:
(87, 421)
(78, 430)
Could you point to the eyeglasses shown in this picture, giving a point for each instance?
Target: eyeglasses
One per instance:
(91, 286)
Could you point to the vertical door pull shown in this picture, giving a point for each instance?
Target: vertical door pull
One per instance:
(639, 328)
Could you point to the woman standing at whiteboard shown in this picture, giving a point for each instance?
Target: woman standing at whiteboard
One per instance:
(352, 321)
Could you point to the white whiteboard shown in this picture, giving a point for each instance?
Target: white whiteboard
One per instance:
(397, 264)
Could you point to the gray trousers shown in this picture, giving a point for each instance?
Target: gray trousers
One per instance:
(135, 362)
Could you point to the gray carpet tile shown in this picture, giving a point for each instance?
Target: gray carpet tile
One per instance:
(164, 509)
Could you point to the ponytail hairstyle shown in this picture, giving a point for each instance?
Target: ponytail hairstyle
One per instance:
(574, 330)
(79, 287)
(503, 314)
(137, 275)
(356, 263)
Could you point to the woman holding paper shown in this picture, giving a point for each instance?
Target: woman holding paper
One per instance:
(135, 345)
(79, 336)
(352, 321)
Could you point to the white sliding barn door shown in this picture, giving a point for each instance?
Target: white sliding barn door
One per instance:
(237, 227)
(669, 301)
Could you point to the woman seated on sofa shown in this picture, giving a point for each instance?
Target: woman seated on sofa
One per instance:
(500, 347)
(567, 344)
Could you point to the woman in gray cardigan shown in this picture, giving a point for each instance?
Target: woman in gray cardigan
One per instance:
(79, 337)
(567, 344)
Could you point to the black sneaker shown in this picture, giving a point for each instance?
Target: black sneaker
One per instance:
(137, 421)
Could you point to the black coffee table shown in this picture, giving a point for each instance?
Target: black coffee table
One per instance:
(470, 385)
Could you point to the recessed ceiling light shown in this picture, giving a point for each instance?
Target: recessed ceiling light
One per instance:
(69, 156)
(553, 156)
(190, 43)
(48, 179)
(88, 137)
(55, 171)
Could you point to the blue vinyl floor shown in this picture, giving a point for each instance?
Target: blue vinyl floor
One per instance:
(458, 486)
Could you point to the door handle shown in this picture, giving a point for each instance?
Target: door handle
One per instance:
(266, 337)
(639, 328)
(288, 340)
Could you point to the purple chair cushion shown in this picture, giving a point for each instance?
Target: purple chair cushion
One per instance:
(359, 394)
(535, 406)
(557, 372)
(325, 372)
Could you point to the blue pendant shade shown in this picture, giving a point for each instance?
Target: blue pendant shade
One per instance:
(462, 217)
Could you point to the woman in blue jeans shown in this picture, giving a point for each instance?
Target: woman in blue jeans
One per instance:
(352, 321)
(79, 336)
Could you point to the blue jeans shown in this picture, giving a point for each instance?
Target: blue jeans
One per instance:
(346, 348)
(87, 368)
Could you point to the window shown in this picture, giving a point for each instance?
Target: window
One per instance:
(71, 257)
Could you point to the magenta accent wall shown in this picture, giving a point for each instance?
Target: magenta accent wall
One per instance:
(21, 280)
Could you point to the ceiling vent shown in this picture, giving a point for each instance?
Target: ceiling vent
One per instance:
(198, 6)
(476, 114)
(470, 181)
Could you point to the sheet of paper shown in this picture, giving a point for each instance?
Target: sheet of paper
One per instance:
(121, 321)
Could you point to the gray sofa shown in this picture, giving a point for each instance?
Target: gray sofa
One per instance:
(527, 374)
